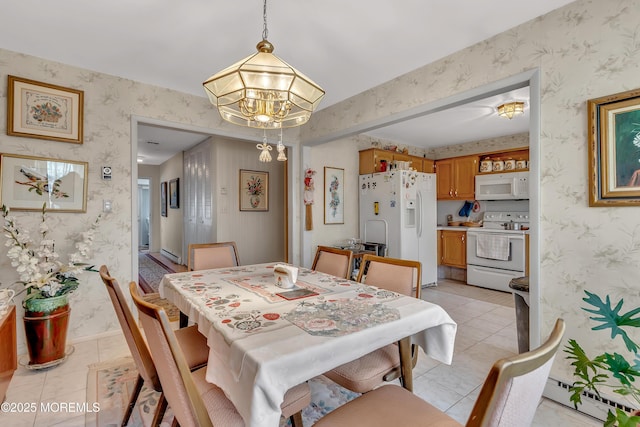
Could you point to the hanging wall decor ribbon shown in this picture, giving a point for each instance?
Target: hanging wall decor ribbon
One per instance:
(308, 197)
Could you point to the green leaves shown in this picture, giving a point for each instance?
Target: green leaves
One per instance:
(586, 370)
(611, 319)
(606, 369)
(621, 419)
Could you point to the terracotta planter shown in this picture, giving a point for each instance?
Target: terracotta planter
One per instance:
(46, 331)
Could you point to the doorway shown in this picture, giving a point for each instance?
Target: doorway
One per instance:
(144, 214)
(165, 134)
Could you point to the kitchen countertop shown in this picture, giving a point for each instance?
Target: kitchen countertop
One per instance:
(463, 228)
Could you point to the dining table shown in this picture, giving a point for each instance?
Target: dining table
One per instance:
(263, 341)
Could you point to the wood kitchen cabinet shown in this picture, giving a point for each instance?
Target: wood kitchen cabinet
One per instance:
(370, 160)
(456, 178)
(428, 166)
(452, 248)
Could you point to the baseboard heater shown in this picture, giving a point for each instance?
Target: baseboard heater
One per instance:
(592, 405)
(173, 257)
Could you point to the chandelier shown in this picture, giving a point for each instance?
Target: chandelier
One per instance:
(263, 91)
(511, 109)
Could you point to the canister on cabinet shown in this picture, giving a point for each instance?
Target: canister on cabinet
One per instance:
(498, 165)
(509, 165)
(486, 165)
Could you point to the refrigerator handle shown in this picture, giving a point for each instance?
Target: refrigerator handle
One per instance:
(419, 216)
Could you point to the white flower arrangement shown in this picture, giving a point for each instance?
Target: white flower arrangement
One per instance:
(38, 265)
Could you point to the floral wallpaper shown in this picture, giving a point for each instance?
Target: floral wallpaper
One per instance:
(109, 103)
(584, 50)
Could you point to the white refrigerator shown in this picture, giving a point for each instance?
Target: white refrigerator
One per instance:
(398, 209)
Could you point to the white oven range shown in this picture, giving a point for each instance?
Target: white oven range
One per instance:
(496, 255)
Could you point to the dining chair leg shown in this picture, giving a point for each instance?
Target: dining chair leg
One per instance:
(184, 320)
(160, 410)
(406, 365)
(296, 419)
(132, 402)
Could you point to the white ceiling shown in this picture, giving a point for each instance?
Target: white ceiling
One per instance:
(345, 47)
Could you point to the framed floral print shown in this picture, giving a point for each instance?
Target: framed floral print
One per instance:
(333, 195)
(26, 183)
(45, 111)
(174, 193)
(163, 198)
(254, 191)
(614, 149)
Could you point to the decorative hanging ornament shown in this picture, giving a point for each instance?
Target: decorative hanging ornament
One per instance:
(265, 156)
(281, 156)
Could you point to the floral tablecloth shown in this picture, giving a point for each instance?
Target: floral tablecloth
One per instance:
(262, 344)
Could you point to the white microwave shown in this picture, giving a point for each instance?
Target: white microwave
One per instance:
(503, 186)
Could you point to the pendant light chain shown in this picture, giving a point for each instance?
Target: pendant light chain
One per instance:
(265, 32)
(262, 91)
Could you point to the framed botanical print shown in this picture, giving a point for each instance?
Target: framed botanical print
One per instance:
(174, 193)
(45, 111)
(254, 191)
(29, 182)
(614, 149)
(333, 195)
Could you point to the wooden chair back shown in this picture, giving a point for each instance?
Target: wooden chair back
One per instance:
(334, 261)
(509, 396)
(179, 387)
(203, 256)
(393, 274)
(132, 333)
(513, 385)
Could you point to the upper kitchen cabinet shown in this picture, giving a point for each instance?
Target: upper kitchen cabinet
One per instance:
(428, 166)
(372, 159)
(456, 177)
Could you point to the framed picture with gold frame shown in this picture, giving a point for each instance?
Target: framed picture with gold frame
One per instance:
(26, 183)
(254, 191)
(45, 111)
(614, 149)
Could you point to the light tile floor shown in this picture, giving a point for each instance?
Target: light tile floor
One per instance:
(486, 332)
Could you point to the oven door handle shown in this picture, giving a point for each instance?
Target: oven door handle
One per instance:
(509, 235)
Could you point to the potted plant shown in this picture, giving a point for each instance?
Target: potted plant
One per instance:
(611, 371)
(47, 282)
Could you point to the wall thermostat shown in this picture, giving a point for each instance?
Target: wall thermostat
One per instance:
(106, 172)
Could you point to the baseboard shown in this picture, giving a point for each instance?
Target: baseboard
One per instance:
(173, 257)
(592, 405)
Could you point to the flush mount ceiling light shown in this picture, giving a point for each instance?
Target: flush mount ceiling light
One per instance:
(511, 109)
(262, 91)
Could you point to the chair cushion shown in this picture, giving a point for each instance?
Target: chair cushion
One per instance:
(220, 409)
(389, 405)
(296, 399)
(224, 413)
(193, 345)
(366, 372)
